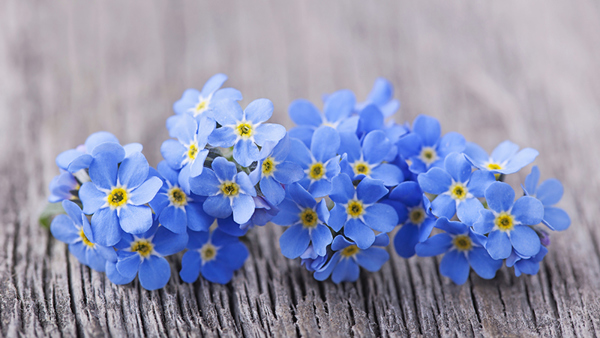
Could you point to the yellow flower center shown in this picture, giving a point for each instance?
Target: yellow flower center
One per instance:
(200, 107)
(316, 171)
(494, 166)
(349, 251)
(85, 240)
(462, 243)
(309, 218)
(177, 197)
(192, 151)
(458, 191)
(417, 216)
(355, 208)
(208, 252)
(143, 247)
(428, 155)
(117, 197)
(361, 167)
(229, 188)
(268, 166)
(244, 130)
(504, 221)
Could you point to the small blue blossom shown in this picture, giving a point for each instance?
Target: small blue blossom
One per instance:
(424, 147)
(344, 264)
(382, 97)
(528, 266)
(368, 160)
(63, 187)
(215, 255)
(198, 104)
(117, 196)
(244, 130)
(507, 222)
(413, 212)
(321, 163)
(177, 210)
(505, 159)
(227, 190)
(263, 214)
(69, 228)
(144, 255)
(357, 210)
(306, 219)
(457, 188)
(274, 170)
(311, 260)
(188, 152)
(337, 113)
(549, 193)
(462, 248)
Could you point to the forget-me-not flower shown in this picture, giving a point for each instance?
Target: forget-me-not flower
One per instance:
(462, 248)
(505, 159)
(528, 266)
(63, 187)
(117, 196)
(457, 188)
(382, 97)
(245, 129)
(549, 193)
(357, 209)
(424, 147)
(306, 219)
(507, 222)
(344, 264)
(215, 255)
(227, 190)
(311, 261)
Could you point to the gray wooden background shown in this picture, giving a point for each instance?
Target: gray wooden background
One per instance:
(521, 70)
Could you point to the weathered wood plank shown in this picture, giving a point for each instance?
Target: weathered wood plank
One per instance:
(520, 70)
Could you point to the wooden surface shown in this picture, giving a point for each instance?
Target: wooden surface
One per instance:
(521, 70)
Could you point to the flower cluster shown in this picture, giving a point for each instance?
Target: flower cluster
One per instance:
(341, 181)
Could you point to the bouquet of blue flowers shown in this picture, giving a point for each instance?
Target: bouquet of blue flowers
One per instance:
(341, 181)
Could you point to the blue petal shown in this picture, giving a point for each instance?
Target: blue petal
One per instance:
(66, 157)
(230, 227)
(345, 271)
(243, 208)
(81, 162)
(216, 272)
(406, 239)
(98, 138)
(301, 196)
(485, 222)
(425, 228)
(528, 210)
(343, 189)
(525, 240)
(458, 167)
(498, 245)
(381, 93)
(484, 265)
(114, 276)
(320, 188)
(105, 227)
(112, 152)
(339, 105)
(190, 266)
(132, 148)
(272, 190)
(288, 172)
(388, 173)
(372, 259)
(294, 241)
(233, 255)
(95, 260)
(339, 243)
(455, 265)
(302, 134)
(381, 217)
(73, 211)
(64, 230)
(197, 219)
(321, 237)
(500, 196)
(409, 193)
(185, 129)
(222, 137)
(227, 112)
(103, 173)
(245, 152)
(303, 112)
(325, 271)
(227, 94)
(214, 83)
(532, 180)
(145, 192)
(452, 227)
(259, 110)
(217, 206)
(288, 213)
(167, 172)
(325, 143)
(357, 231)
(376, 146)
(443, 206)
(173, 152)
(556, 219)
(206, 184)
(435, 181)
(197, 165)
(371, 118)
(92, 198)
(480, 180)
(269, 132)
(349, 145)
(550, 192)
(174, 219)
(128, 264)
(224, 169)
(428, 128)
(468, 211)
(197, 239)
(476, 154)
(521, 159)
(504, 151)
(246, 186)
(169, 243)
(135, 219)
(435, 245)
(188, 100)
(154, 273)
(451, 142)
(337, 217)
(410, 145)
(369, 190)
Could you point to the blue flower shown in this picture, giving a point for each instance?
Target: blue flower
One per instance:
(63, 187)
(382, 97)
(177, 210)
(424, 147)
(263, 213)
(306, 219)
(413, 212)
(344, 264)
(505, 159)
(215, 255)
(273, 170)
(198, 104)
(69, 228)
(321, 163)
(117, 196)
(188, 152)
(79, 158)
(311, 260)
(337, 110)
(462, 248)
(507, 222)
(368, 160)
(357, 210)
(227, 190)
(143, 255)
(549, 193)
(244, 130)
(457, 187)
(528, 266)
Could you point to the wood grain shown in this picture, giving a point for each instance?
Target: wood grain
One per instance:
(525, 71)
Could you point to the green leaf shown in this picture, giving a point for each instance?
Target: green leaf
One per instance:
(51, 210)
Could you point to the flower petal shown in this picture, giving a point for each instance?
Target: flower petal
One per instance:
(370, 191)
(435, 181)
(484, 265)
(528, 210)
(406, 239)
(550, 192)
(269, 132)
(556, 219)
(190, 266)
(169, 243)
(64, 230)
(217, 206)
(434, 245)
(357, 231)
(259, 110)
(145, 193)
(294, 241)
(428, 128)
(381, 217)
(135, 219)
(455, 266)
(500, 196)
(525, 240)
(155, 273)
(92, 198)
(243, 208)
(498, 245)
(105, 227)
(372, 258)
